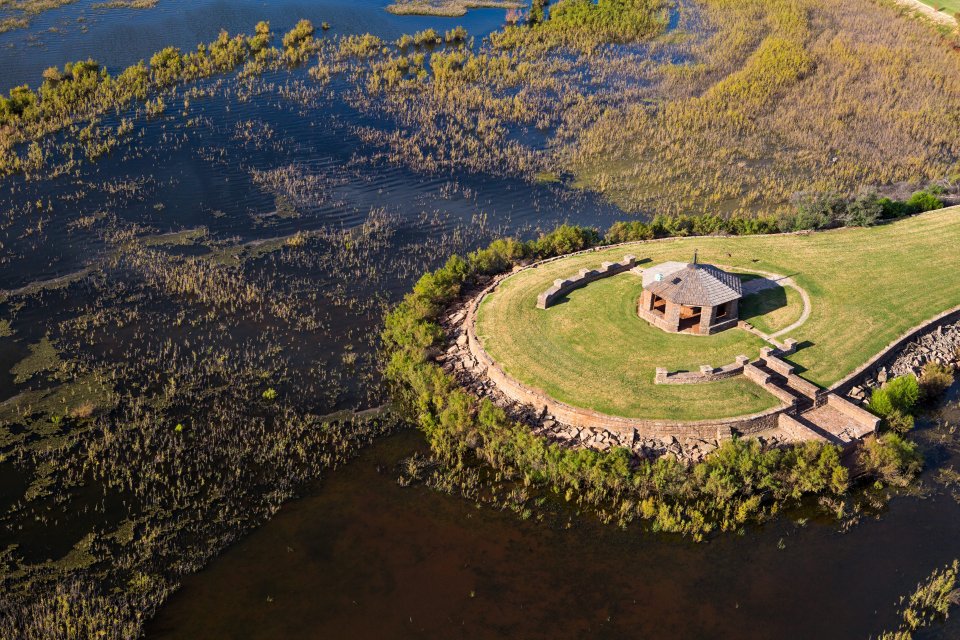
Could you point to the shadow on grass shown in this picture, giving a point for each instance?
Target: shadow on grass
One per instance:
(762, 303)
(799, 368)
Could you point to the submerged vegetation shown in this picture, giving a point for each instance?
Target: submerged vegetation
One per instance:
(164, 403)
(928, 604)
(17, 14)
(83, 90)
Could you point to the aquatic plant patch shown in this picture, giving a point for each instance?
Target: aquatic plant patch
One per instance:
(447, 8)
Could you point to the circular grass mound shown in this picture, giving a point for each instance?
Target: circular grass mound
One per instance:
(591, 350)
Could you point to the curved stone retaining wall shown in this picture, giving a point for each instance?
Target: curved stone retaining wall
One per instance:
(718, 429)
(938, 340)
(947, 323)
(563, 286)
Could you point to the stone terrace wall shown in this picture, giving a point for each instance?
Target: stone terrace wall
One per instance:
(793, 381)
(563, 286)
(718, 429)
(867, 422)
(705, 374)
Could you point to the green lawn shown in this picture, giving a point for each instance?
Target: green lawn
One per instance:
(867, 286)
(773, 309)
(948, 7)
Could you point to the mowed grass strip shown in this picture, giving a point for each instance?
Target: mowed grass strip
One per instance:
(947, 7)
(867, 287)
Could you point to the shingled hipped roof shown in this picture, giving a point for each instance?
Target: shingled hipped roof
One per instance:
(696, 285)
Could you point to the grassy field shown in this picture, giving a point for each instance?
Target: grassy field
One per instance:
(867, 287)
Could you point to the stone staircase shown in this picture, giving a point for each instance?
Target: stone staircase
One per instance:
(813, 413)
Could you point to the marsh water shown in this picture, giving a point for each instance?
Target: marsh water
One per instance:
(362, 557)
(358, 555)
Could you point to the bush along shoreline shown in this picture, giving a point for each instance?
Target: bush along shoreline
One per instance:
(477, 450)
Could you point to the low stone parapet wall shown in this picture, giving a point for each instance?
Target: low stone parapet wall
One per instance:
(796, 430)
(706, 373)
(807, 388)
(783, 395)
(563, 286)
(774, 363)
(756, 374)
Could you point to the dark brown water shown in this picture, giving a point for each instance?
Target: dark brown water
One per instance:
(366, 558)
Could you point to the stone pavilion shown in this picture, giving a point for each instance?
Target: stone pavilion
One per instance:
(690, 298)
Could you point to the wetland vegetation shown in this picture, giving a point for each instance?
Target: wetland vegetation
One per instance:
(448, 8)
(198, 250)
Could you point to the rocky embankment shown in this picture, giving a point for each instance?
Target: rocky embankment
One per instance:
(457, 360)
(940, 343)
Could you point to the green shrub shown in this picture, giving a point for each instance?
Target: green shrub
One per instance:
(880, 402)
(863, 211)
(922, 201)
(891, 458)
(893, 208)
(566, 239)
(899, 421)
(904, 392)
(818, 210)
(934, 380)
(900, 394)
(498, 257)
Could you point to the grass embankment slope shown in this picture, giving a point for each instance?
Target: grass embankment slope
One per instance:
(868, 286)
